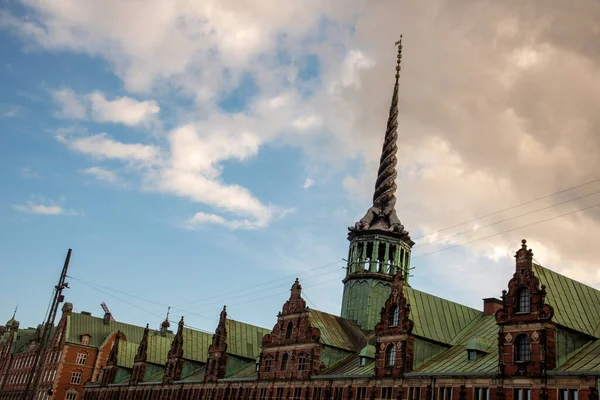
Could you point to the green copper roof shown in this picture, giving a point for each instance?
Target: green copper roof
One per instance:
(337, 331)
(22, 338)
(80, 324)
(197, 375)
(350, 367)
(435, 318)
(455, 358)
(247, 371)
(368, 351)
(127, 352)
(243, 339)
(587, 359)
(479, 344)
(576, 306)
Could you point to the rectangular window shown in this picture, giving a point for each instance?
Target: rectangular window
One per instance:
(414, 393)
(445, 393)
(361, 393)
(263, 393)
(522, 394)
(76, 378)
(386, 393)
(471, 355)
(337, 393)
(297, 393)
(279, 394)
(81, 357)
(481, 394)
(316, 393)
(71, 396)
(568, 394)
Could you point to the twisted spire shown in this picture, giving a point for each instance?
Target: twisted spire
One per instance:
(382, 215)
(384, 196)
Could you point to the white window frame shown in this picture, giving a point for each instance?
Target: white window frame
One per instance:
(71, 395)
(81, 358)
(522, 394)
(481, 393)
(445, 392)
(76, 378)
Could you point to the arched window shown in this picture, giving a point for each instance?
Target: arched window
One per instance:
(268, 362)
(523, 350)
(288, 330)
(302, 364)
(284, 362)
(395, 316)
(524, 301)
(390, 355)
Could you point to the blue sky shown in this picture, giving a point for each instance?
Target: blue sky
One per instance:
(204, 156)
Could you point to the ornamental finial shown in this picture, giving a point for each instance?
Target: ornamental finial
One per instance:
(399, 58)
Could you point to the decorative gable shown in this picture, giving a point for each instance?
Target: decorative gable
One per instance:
(292, 349)
(110, 371)
(527, 334)
(175, 357)
(139, 361)
(395, 342)
(217, 351)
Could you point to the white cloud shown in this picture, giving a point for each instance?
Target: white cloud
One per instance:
(308, 183)
(201, 218)
(70, 105)
(123, 110)
(43, 209)
(307, 122)
(102, 174)
(102, 146)
(484, 123)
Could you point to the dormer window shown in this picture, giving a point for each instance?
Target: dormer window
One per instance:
(362, 361)
(471, 355)
(477, 347)
(85, 339)
(524, 305)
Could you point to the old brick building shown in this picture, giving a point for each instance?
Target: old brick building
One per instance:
(392, 341)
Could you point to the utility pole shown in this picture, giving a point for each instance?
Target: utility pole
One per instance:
(38, 360)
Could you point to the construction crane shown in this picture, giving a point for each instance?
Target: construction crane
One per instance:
(106, 310)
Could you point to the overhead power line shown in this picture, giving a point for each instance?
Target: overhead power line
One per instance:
(507, 219)
(506, 231)
(509, 208)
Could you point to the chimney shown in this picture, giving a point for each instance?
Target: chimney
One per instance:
(67, 308)
(491, 305)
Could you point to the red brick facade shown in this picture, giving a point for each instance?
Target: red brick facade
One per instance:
(175, 357)
(217, 356)
(395, 344)
(292, 350)
(526, 337)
